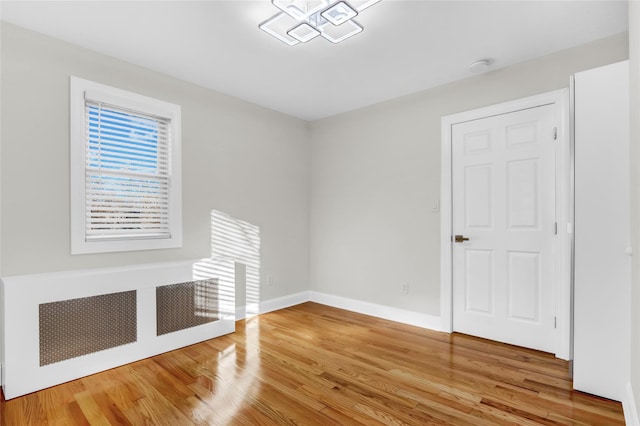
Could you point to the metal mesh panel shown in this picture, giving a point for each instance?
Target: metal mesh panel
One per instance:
(185, 305)
(75, 327)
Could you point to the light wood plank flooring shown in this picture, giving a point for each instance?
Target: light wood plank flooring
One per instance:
(316, 365)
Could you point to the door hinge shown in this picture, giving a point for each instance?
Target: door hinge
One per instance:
(555, 133)
(555, 228)
(555, 322)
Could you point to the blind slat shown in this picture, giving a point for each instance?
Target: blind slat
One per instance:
(147, 140)
(99, 173)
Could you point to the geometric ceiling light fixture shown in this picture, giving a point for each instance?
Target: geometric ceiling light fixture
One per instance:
(300, 21)
(339, 13)
(303, 32)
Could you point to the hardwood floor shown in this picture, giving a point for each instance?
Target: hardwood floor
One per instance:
(316, 365)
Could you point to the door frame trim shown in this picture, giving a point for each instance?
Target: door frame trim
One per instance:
(564, 209)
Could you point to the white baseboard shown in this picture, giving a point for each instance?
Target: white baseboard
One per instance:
(403, 316)
(271, 305)
(631, 417)
(284, 302)
(241, 312)
(430, 322)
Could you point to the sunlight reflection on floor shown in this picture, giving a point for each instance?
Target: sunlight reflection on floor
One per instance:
(232, 241)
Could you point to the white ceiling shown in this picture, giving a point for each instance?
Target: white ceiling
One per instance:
(407, 46)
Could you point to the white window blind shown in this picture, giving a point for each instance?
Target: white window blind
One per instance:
(127, 173)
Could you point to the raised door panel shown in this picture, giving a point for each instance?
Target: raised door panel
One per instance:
(524, 286)
(478, 196)
(523, 207)
(479, 281)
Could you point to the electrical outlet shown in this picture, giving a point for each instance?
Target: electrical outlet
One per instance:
(405, 287)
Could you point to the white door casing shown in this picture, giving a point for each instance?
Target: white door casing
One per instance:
(499, 188)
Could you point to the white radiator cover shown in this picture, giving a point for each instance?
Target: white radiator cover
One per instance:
(22, 295)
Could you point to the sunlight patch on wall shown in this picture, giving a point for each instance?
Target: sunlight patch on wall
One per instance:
(220, 270)
(234, 240)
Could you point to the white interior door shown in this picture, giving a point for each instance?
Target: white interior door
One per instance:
(503, 200)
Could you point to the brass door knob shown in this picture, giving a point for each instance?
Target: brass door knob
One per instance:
(460, 238)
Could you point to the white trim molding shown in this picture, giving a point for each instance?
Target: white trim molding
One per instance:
(271, 305)
(283, 302)
(379, 311)
(563, 210)
(82, 91)
(403, 316)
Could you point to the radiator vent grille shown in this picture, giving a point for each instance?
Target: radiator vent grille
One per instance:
(76, 327)
(186, 305)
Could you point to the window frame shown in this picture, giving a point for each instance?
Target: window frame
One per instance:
(78, 87)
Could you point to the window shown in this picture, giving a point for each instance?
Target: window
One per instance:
(125, 170)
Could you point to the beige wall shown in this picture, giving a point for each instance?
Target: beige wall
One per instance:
(634, 156)
(375, 178)
(238, 158)
(358, 189)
